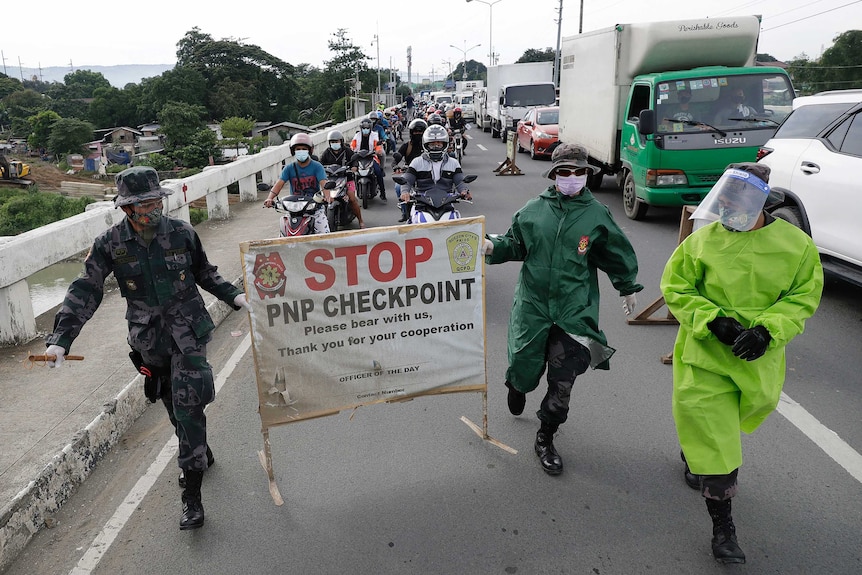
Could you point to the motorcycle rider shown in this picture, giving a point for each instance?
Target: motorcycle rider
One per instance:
(306, 177)
(409, 151)
(338, 153)
(367, 139)
(434, 167)
(457, 122)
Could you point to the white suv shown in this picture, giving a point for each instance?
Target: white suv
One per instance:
(816, 158)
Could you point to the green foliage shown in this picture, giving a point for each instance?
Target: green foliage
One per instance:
(160, 162)
(235, 127)
(180, 122)
(112, 107)
(68, 136)
(9, 85)
(24, 103)
(202, 148)
(533, 55)
(198, 215)
(24, 210)
(83, 83)
(41, 124)
(837, 69)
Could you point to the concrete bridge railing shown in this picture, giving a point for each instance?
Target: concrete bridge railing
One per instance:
(23, 255)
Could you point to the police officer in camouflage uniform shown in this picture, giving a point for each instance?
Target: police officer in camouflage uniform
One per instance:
(157, 261)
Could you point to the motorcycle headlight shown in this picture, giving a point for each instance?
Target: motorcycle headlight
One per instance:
(295, 206)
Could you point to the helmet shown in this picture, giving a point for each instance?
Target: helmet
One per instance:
(379, 113)
(457, 110)
(387, 113)
(301, 139)
(138, 184)
(417, 125)
(436, 119)
(365, 124)
(334, 135)
(435, 140)
(372, 116)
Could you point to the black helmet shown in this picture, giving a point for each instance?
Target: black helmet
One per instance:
(138, 184)
(436, 119)
(417, 126)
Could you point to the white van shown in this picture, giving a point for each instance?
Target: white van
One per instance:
(439, 99)
(464, 101)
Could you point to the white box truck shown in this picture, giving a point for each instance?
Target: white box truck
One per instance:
(653, 103)
(512, 89)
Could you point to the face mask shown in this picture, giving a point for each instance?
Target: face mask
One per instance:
(301, 155)
(571, 185)
(335, 146)
(365, 131)
(734, 220)
(148, 219)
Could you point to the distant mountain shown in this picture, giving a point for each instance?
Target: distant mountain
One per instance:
(118, 76)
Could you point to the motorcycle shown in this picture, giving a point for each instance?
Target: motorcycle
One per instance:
(297, 212)
(366, 180)
(339, 212)
(458, 144)
(436, 203)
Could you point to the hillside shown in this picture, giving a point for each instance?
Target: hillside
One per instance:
(118, 76)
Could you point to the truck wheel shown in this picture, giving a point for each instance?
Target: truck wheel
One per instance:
(504, 136)
(495, 133)
(791, 215)
(635, 209)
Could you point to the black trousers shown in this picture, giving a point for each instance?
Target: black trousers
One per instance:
(566, 359)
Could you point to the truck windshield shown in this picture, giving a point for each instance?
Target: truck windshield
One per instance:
(753, 101)
(530, 95)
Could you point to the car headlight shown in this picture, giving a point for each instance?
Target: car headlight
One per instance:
(543, 136)
(661, 178)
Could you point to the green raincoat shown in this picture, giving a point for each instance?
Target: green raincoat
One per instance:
(770, 276)
(562, 241)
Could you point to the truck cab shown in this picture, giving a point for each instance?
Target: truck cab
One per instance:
(703, 120)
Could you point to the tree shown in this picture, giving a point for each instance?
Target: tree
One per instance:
(24, 103)
(236, 131)
(199, 152)
(181, 122)
(83, 83)
(9, 85)
(112, 107)
(534, 55)
(159, 162)
(475, 71)
(42, 124)
(840, 62)
(182, 84)
(68, 136)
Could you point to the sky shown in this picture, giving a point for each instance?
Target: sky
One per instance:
(440, 33)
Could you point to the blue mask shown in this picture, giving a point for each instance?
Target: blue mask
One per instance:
(365, 131)
(335, 146)
(301, 155)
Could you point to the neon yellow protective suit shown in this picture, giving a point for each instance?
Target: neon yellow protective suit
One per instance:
(770, 276)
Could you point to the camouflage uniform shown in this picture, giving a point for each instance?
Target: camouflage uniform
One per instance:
(168, 321)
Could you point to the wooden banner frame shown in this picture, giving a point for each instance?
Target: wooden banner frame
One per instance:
(686, 226)
(508, 167)
(459, 228)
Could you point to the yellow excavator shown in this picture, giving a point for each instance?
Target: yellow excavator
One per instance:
(13, 172)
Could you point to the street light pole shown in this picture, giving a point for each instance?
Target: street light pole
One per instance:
(377, 41)
(557, 56)
(465, 50)
(490, 28)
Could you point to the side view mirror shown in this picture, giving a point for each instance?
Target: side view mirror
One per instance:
(329, 185)
(646, 122)
(470, 178)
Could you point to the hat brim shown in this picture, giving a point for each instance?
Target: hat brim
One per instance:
(160, 192)
(571, 166)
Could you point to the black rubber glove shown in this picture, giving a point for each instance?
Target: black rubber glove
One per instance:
(726, 329)
(155, 378)
(752, 343)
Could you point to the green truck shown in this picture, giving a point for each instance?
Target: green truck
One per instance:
(666, 106)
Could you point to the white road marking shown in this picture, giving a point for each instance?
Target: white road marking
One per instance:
(822, 436)
(100, 545)
(481, 147)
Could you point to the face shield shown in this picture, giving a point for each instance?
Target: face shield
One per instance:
(736, 199)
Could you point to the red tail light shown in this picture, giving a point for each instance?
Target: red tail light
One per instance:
(762, 153)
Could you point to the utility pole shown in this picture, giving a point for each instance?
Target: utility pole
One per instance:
(557, 56)
(4, 62)
(20, 69)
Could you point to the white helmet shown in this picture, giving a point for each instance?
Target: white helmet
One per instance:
(435, 141)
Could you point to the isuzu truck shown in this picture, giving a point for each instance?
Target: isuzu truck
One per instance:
(666, 106)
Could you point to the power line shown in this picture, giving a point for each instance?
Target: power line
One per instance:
(811, 16)
(806, 5)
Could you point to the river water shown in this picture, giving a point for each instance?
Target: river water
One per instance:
(48, 287)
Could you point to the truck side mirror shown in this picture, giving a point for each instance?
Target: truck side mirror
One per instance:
(646, 122)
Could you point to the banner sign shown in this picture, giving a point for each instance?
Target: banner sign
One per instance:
(360, 317)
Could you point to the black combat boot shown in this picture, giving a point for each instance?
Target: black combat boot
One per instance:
(210, 460)
(516, 400)
(724, 546)
(548, 456)
(691, 479)
(193, 509)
